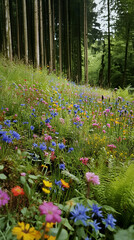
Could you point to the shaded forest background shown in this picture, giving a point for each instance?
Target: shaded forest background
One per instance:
(65, 37)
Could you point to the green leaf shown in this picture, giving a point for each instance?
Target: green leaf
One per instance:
(63, 235)
(81, 233)
(33, 177)
(67, 224)
(24, 211)
(127, 234)
(3, 176)
(23, 180)
(1, 167)
(30, 181)
(109, 209)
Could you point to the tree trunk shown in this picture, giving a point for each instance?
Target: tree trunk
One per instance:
(8, 32)
(109, 44)
(36, 29)
(85, 43)
(68, 43)
(54, 53)
(50, 36)
(41, 36)
(126, 54)
(18, 30)
(60, 39)
(25, 31)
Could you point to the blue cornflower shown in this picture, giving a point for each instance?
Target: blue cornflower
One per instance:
(96, 210)
(110, 221)
(43, 146)
(35, 144)
(53, 143)
(25, 122)
(47, 120)
(79, 213)
(70, 149)
(16, 135)
(88, 238)
(7, 138)
(56, 133)
(62, 166)
(61, 146)
(51, 149)
(7, 122)
(0, 126)
(58, 183)
(22, 104)
(95, 225)
(33, 110)
(32, 128)
(15, 121)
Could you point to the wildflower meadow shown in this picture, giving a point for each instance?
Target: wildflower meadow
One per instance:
(66, 158)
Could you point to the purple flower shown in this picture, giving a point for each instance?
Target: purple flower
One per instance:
(61, 146)
(32, 128)
(51, 211)
(95, 225)
(62, 166)
(4, 198)
(43, 146)
(110, 221)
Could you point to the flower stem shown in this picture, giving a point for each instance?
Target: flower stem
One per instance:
(88, 189)
(59, 231)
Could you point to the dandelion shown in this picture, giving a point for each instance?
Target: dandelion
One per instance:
(4, 198)
(51, 211)
(25, 232)
(17, 191)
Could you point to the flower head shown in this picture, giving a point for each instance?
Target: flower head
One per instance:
(25, 232)
(61, 146)
(79, 213)
(91, 177)
(51, 211)
(64, 184)
(96, 210)
(17, 191)
(47, 183)
(4, 198)
(95, 225)
(110, 220)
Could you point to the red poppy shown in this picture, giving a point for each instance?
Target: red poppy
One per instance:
(17, 191)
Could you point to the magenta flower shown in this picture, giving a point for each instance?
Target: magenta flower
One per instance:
(84, 160)
(51, 211)
(111, 146)
(91, 177)
(4, 198)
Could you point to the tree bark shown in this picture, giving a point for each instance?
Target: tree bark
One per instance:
(36, 29)
(85, 43)
(18, 30)
(68, 43)
(8, 32)
(25, 31)
(109, 44)
(50, 36)
(41, 36)
(126, 55)
(60, 39)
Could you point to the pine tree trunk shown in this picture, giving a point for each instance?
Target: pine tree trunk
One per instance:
(18, 30)
(68, 44)
(36, 29)
(54, 53)
(126, 55)
(60, 39)
(85, 43)
(25, 31)
(8, 32)
(41, 35)
(50, 36)
(109, 44)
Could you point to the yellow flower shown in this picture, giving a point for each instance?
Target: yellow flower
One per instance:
(65, 184)
(46, 190)
(47, 183)
(44, 166)
(23, 231)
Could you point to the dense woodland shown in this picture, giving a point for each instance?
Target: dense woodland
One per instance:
(64, 36)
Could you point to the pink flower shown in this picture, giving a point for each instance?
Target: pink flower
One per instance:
(84, 160)
(104, 131)
(91, 177)
(4, 198)
(108, 125)
(23, 174)
(111, 146)
(62, 120)
(107, 110)
(51, 211)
